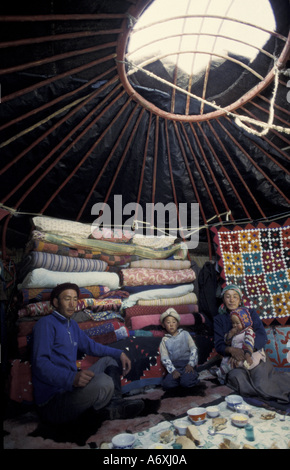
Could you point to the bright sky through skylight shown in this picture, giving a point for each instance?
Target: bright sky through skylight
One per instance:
(256, 12)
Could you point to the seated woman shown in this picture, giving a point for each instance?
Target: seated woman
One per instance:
(261, 381)
(241, 336)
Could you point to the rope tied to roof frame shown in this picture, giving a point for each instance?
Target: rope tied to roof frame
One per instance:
(239, 120)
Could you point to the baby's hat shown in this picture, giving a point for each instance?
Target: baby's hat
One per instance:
(244, 315)
(170, 312)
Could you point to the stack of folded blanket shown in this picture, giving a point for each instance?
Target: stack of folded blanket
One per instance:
(154, 286)
(126, 281)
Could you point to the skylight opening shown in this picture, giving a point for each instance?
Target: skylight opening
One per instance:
(195, 30)
(203, 58)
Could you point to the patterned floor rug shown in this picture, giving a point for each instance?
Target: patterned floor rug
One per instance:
(24, 431)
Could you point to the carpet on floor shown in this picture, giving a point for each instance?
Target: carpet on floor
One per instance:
(25, 431)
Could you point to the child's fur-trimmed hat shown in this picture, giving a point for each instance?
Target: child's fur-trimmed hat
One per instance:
(170, 312)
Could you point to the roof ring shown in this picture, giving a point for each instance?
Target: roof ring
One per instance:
(184, 55)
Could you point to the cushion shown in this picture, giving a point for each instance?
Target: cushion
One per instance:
(278, 346)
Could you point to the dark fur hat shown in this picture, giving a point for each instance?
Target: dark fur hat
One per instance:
(57, 290)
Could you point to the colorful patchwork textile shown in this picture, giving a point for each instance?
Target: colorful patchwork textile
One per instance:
(257, 259)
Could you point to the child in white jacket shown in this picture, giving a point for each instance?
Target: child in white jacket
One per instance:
(178, 353)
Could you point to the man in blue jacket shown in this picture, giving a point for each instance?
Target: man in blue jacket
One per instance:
(61, 391)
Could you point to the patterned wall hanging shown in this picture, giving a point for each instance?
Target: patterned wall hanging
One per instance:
(257, 259)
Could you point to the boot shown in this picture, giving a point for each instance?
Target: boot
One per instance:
(120, 408)
(124, 409)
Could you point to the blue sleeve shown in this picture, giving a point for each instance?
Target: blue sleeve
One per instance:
(222, 325)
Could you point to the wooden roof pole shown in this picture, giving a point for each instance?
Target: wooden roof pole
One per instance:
(221, 165)
(143, 166)
(80, 163)
(256, 166)
(57, 37)
(64, 119)
(50, 80)
(193, 186)
(100, 174)
(132, 134)
(56, 100)
(226, 153)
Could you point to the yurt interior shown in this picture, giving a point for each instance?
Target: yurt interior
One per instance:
(145, 149)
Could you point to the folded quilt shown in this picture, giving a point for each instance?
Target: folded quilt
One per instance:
(153, 241)
(25, 328)
(35, 294)
(99, 305)
(96, 305)
(161, 264)
(52, 262)
(171, 301)
(135, 289)
(43, 278)
(117, 260)
(178, 251)
(35, 244)
(147, 320)
(148, 276)
(36, 309)
(95, 328)
(158, 294)
(115, 294)
(115, 235)
(106, 315)
(62, 226)
(142, 310)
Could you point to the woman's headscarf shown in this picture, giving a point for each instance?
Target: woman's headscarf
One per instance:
(232, 287)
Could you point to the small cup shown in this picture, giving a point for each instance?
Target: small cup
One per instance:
(249, 432)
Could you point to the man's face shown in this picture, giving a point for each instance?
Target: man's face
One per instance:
(66, 303)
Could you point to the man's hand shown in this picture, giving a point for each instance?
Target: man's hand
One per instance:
(126, 363)
(83, 377)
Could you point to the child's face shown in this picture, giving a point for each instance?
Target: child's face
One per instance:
(171, 325)
(236, 323)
